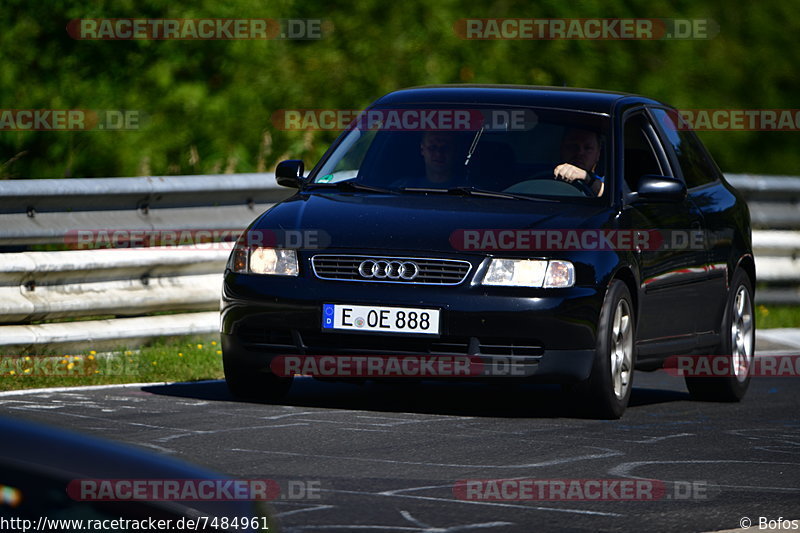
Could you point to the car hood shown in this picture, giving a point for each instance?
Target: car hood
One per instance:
(413, 221)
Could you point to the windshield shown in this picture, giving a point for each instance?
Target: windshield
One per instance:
(504, 150)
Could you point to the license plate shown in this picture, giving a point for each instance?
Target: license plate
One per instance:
(386, 319)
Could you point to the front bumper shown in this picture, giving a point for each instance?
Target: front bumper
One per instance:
(549, 332)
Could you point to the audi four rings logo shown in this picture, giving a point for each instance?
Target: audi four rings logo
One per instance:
(382, 269)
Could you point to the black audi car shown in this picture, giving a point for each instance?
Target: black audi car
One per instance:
(572, 235)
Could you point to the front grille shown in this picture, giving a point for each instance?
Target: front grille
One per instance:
(324, 344)
(500, 347)
(278, 341)
(389, 269)
(311, 343)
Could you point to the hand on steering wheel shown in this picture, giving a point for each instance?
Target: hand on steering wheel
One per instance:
(576, 180)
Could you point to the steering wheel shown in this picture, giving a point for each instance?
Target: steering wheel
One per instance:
(578, 184)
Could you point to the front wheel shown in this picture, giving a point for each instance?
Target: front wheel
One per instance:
(608, 388)
(737, 345)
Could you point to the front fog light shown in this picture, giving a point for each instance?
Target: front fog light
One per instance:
(273, 261)
(559, 274)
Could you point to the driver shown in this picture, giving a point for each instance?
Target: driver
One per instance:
(438, 149)
(580, 149)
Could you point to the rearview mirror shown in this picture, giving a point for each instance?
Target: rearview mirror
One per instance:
(660, 189)
(289, 173)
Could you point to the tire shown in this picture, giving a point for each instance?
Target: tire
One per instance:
(254, 384)
(608, 389)
(737, 342)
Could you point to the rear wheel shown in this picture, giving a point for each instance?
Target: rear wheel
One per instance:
(254, 384)
(608, 388)
(737, 344)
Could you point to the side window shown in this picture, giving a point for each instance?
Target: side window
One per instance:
(355, 156)
(639, 157)
(355, 147)
(696, 167)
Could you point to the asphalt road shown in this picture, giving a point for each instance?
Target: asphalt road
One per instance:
(385, 457)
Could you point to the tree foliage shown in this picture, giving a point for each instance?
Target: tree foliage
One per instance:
(206, 106)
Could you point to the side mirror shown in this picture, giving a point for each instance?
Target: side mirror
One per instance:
(289, 173)
(660, 189)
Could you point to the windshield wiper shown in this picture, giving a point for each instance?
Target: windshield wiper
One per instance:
(474, 144)
(473, 191)
(349, 185)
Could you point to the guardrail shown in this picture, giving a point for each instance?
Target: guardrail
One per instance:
(774, 203)
(46, 211)
(109, 289)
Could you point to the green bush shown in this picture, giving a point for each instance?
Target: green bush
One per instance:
(207, 105)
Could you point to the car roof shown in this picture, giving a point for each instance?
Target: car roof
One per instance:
(592, 100)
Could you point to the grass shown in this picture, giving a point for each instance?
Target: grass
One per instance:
(182, 360)
(777, 316)
(188, 359)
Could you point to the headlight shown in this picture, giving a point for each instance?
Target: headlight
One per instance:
(270, 261)
(530, 273)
